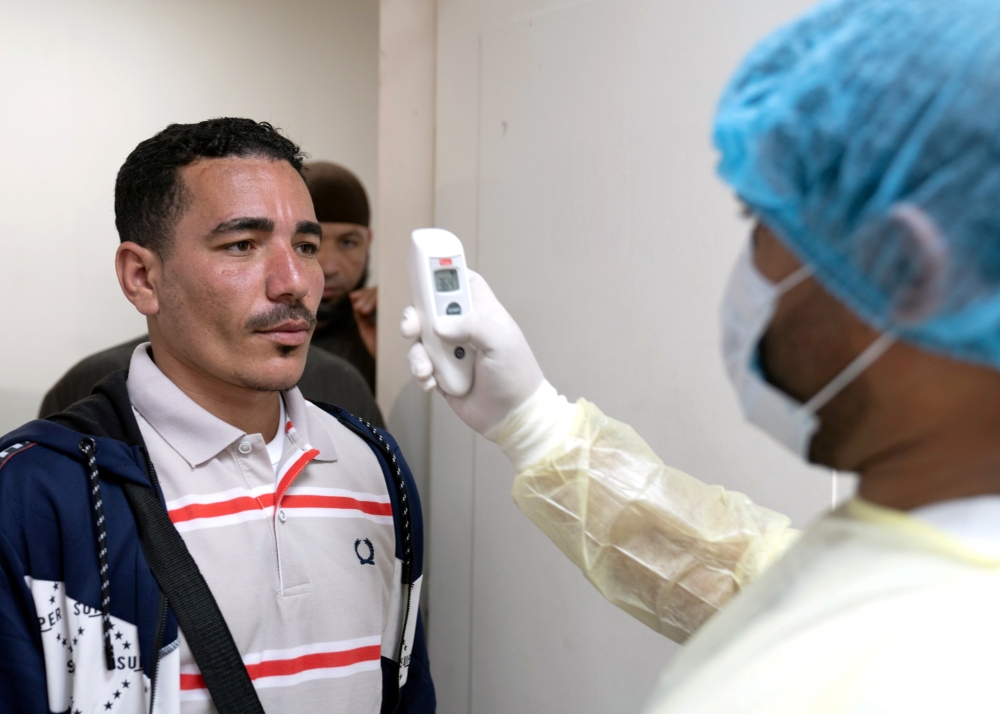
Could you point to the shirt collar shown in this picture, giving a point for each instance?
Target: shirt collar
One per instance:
(309, 430)
(198, 435)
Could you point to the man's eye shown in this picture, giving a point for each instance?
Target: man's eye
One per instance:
(241, 247)
(348, 242)
(309, 248)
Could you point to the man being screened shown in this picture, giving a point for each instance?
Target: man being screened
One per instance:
(302, 520)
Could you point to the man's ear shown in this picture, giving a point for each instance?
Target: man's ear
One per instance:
(928, 260)
(139, 270)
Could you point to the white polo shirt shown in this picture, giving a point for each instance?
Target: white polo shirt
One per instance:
(297, 549)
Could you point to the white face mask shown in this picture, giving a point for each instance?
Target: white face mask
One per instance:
(747, 309)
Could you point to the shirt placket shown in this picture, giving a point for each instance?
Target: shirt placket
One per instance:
(293, 466)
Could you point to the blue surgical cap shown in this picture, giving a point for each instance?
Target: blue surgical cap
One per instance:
(863, 111)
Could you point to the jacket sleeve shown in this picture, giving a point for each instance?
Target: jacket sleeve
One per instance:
(659, 544)
(22, 665)
(417, 695)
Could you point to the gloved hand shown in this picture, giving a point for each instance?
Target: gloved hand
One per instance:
(506, 372)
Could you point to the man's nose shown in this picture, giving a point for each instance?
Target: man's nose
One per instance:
(328, 260)
(286, 275)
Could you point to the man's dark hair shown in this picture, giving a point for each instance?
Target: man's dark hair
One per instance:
(150, 197)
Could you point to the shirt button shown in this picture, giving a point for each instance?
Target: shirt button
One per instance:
(281, 515)
(245, 447)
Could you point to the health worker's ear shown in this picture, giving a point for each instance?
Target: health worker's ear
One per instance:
(926, 253)
(138, 271)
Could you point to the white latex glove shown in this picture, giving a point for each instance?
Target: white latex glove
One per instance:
(506, 372)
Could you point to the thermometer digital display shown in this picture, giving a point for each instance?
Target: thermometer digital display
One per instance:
(446, 280)
(440, 288)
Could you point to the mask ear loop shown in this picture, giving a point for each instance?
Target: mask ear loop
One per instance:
(802, 274)
(851, 372)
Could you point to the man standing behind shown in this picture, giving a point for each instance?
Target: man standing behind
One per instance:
(347, 312)
(200, 485)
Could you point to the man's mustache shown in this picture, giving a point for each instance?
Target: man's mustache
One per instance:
(282, 312)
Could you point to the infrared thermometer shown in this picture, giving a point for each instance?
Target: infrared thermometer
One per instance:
(440, 293)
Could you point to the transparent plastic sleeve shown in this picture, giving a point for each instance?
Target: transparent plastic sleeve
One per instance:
(659, 544)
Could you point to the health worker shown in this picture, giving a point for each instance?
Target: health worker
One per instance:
(861, 328)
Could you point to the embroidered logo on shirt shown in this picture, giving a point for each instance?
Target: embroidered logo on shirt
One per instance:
(364, 560)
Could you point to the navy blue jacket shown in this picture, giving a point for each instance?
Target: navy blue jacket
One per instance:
(48, 532)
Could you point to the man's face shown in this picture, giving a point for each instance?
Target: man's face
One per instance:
(240, 283)
(343, 256)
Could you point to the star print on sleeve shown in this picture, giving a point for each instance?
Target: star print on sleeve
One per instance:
(73, 648)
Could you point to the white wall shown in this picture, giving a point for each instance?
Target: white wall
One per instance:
(406, 201)
(83, 81)
(573, 157)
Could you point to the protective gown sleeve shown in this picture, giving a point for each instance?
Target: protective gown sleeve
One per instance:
(661, 545)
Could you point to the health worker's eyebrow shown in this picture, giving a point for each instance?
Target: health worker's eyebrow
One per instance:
(243, 225)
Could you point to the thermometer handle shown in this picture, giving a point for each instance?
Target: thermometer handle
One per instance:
(440, 287)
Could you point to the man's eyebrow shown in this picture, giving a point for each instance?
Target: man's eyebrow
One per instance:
(310, 228)
(241, 225)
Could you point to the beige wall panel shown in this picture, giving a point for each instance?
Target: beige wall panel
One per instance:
(588, 199)
(406, 202)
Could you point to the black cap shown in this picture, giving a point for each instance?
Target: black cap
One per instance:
(337, 194)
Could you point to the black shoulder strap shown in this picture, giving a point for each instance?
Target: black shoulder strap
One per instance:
(193, 604)
(108, 413)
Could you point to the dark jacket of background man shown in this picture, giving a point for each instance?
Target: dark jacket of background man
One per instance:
(347, 312)
(327, 378)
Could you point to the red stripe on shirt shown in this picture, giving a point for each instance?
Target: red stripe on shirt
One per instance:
(240, 504)
(293, 471)
(295, 665)
(373, 508)
(222, 508)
